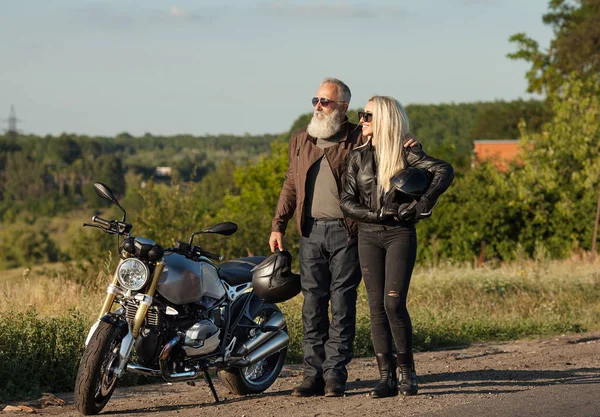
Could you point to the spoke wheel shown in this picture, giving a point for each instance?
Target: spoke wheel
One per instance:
(258, 377)
(96, 377)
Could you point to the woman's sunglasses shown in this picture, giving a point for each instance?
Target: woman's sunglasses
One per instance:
(366, 116)
(324, 101)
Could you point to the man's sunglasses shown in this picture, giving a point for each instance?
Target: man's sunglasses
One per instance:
(324, 101)
(365, 115)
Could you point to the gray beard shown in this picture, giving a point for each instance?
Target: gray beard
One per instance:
(325, 128)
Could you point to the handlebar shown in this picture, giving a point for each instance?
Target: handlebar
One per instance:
(111, 226)
(100, 220)
(211, 255)
(195, 251)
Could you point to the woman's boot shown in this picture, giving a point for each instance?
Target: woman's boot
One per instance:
(388, 381)
(407, 375)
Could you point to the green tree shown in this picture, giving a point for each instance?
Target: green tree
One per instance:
(252, 207)
(63, 149)
(575, 47)
(562, 163)
(547, 198)
(501, 121)
(26, 244)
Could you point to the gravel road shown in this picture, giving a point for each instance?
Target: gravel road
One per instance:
(558, 376)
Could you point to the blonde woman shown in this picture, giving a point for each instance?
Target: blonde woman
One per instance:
(387, 240)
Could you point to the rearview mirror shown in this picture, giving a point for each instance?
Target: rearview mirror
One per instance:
(225, 228)
(103, 191)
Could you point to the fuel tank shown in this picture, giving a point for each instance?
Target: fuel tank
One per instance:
(184, 281)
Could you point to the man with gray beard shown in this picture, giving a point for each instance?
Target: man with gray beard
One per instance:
(329, 267)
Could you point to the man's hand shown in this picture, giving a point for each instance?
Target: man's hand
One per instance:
(411, 141)
(276, 241)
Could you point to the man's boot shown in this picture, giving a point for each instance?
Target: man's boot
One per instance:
(388, 381)
(334, 387)
(407, 375)
(309, 387)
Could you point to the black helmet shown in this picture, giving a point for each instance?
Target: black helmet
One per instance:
(412, 182)
(273, 279)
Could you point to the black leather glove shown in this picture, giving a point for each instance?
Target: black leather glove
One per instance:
(406, 211)
(387, 211)
(414, 211)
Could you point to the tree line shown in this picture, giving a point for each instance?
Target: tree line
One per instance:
(50, 175)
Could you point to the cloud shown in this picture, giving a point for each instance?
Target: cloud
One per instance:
(179, 13)
(328, 9)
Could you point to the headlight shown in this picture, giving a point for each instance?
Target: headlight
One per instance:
(133, 274)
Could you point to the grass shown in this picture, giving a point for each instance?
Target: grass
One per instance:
(45, 313)
(458, 305)
(49, 290)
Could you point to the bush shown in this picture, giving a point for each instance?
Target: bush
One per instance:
(39, 353)
(26, 244)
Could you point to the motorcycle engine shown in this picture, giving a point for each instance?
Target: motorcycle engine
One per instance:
(201, 338)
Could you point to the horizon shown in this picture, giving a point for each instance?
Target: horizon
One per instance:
(21, 133)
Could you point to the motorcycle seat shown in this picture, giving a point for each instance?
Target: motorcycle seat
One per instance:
(237, 271)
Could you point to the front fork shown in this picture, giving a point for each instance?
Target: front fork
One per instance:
(133, 329)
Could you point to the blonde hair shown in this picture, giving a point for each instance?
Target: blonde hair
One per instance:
(390, 127)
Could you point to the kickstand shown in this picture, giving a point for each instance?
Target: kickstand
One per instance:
(210, 384)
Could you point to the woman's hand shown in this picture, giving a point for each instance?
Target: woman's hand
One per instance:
(413, 211)
(410, 141)
(387, 211)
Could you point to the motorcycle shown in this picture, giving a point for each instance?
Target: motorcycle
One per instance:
(174, 313)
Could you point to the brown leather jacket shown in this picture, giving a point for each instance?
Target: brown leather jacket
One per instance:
(302, 153)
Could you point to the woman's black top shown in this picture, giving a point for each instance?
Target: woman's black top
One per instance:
(360, 197)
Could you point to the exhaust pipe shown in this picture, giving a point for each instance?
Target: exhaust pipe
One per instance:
(164, 355)
(279, 342)
(277, 320)
(136, 369)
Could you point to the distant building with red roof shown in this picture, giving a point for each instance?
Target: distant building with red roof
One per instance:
(498, 151)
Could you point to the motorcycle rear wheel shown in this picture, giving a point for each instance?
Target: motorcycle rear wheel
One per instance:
(256, 378)
(96, 378)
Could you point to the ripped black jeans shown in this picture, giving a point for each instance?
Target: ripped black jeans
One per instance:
(387, 258)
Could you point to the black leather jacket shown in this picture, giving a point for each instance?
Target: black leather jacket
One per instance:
(359, 198)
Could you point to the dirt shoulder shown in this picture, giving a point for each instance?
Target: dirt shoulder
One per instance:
(448, 379)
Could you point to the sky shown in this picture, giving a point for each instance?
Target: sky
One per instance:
(235, 67)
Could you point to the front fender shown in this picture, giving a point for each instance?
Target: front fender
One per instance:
(113, 319)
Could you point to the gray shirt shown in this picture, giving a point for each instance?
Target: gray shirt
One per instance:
(322, 194)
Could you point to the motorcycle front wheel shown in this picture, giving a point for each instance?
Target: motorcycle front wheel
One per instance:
(255, 378)
(96, 377)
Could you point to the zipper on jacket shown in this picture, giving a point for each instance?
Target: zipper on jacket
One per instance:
(376, 189)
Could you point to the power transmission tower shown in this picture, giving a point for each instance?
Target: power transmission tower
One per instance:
(12, 120)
